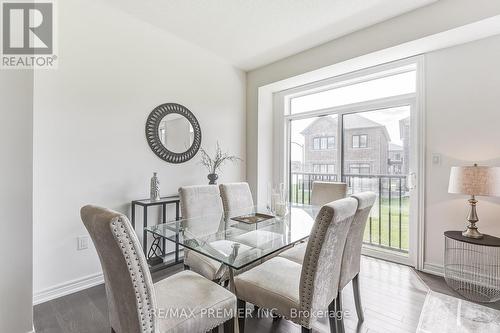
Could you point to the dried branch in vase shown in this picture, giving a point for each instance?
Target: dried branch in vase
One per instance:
(214, 164)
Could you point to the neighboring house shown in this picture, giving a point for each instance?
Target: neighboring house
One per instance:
(404, 132)
(395, 162)
(296, 166)
(366, 146)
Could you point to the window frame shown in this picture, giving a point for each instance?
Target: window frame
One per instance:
(359, 136)
(359, 166)
(316, 139)
(323, 139)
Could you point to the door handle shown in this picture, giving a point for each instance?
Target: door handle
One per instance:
(412, 180)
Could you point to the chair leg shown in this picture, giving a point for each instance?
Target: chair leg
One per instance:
(186, 267)
(339, 313)
(306, 330)
(241, 310)
(357, 298)
(332, 317)
(112, 330)
(229, 326)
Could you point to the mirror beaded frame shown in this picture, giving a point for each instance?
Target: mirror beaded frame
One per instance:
(152, 124)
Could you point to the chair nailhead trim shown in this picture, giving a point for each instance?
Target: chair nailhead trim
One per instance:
(144, 306)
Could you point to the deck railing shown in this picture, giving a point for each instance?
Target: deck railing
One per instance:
(387, 225)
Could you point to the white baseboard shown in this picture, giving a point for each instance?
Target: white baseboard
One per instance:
(433, 269)
(67, 288)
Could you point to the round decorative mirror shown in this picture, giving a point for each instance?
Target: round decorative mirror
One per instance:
(173, 133)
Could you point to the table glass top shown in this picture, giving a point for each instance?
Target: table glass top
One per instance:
(239, 244)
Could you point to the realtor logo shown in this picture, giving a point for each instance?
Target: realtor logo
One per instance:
(27, 35)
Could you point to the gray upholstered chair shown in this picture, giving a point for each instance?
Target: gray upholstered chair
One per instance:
(198, 201)
(236, 197)
(135, 303)
(325, 192)
(296, 291)
(352, 253)
(322, 193)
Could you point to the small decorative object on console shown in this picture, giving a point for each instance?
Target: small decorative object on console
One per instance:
(155, 188)
(474, 180)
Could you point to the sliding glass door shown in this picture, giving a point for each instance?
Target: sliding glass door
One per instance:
(376, 157)
(368, 144)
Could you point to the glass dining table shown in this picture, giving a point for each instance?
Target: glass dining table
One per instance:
(240, 239)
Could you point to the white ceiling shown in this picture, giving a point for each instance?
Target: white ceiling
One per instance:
(253, 33)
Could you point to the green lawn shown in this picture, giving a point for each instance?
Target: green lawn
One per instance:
(380, 237)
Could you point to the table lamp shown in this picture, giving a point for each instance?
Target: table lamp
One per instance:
(474, 180)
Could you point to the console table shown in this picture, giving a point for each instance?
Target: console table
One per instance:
(472, 266)
(156, 253)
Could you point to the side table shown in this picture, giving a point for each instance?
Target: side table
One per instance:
(472, 266)
(156, 253)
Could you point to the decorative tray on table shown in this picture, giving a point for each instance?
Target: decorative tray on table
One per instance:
(252, 218)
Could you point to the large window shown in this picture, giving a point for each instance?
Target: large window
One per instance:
(360, 141)
(348, 93)
(357, 132)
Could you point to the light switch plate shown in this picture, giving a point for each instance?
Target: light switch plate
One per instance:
(436, 159)
(82, 243)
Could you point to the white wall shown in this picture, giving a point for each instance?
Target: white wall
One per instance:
(90, 145)
(463, 119)
(16, 188)
(426, 21)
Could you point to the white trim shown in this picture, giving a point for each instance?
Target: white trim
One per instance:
(420, 109)
(433, 269)
(386, 254)
(67, 288)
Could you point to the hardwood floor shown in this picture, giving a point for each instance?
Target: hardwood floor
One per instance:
(438, 284)
(392, 296)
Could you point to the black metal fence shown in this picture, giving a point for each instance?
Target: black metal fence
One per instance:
(388, 224)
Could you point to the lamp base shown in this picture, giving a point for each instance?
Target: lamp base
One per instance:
(471, 232)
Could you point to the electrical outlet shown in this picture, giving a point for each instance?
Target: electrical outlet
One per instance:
(82, 243)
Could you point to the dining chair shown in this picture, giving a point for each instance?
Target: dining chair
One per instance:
(178, 303)
(298, 292)
(351, 260)
(352, 253)
(236, 197)
(324, 192)
(198, 201)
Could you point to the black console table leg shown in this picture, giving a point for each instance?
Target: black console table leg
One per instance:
(145, 233)
(177, 217)
(164, 220)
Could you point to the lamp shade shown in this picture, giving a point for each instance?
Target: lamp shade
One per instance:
(475, 180)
